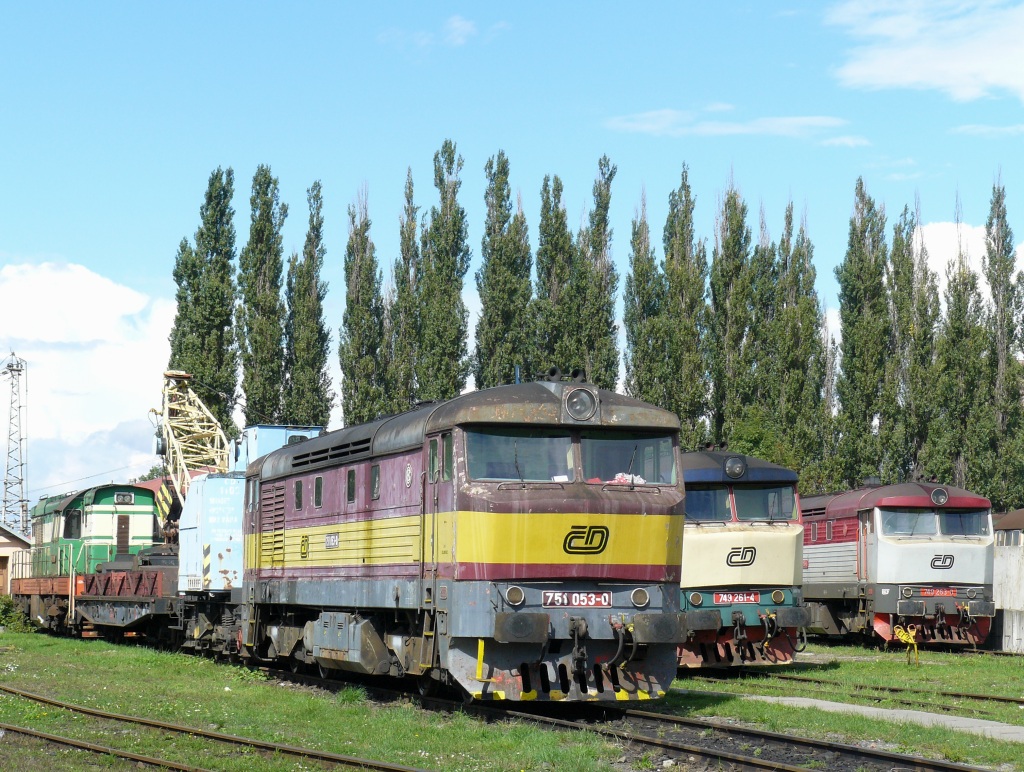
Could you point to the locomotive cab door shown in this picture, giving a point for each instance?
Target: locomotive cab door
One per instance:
(438, 501)
(865, 545)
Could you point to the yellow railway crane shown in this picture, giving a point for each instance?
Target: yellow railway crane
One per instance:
(190, 439)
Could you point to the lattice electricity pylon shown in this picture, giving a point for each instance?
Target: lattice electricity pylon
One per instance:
(15, 505)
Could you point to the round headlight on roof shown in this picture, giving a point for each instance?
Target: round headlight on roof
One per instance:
(735, 467)
(580, 404)
(940, 496)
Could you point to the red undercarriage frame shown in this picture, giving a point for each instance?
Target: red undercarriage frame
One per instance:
(711, 648)
(945, 630)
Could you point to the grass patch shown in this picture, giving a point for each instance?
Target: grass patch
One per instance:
(196, 692)
(848, 668)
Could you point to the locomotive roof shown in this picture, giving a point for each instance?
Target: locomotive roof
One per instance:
(540, 403)
(1010, 521)
(708, 466)
(909, 494)
(61, 501)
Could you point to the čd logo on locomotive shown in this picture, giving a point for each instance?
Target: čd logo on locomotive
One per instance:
(741, 556)
(942, 561)
(586, 540)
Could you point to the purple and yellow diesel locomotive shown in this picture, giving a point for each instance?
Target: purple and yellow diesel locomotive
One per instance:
(520, 542)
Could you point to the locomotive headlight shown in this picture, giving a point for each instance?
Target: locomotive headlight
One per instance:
(515, 596)
(640, 597)
(696, 599)
(940, 496)
(972, 593)
(581, 404)
(778, 596)
(907, 591)
(735, 467)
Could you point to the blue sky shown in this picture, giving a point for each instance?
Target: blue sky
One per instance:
(114, 115)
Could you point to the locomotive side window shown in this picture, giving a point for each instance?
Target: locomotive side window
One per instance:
(814, 531)
(434, 465)
(351, 486)
(73, 524)
(318, 492)
(298, 495)
(375, 481)
(828, 530)
(449, 457)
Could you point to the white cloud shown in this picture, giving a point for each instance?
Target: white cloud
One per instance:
(458, 31)
(848, 140)
(967, 49)
(678, 123)
(95, 353)
(991, 132)
(944, 241)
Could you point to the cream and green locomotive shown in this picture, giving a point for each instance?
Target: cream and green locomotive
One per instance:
(73, 533)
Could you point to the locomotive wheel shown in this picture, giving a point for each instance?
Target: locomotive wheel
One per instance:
(426, 685)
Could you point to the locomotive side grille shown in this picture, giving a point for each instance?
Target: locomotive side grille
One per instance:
(272, 523)
(346, 450)
(814, 511)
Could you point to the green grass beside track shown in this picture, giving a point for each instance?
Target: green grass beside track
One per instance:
(850, 668)
(233, 700)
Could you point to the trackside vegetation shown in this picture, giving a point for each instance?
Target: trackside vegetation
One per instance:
(233, 700)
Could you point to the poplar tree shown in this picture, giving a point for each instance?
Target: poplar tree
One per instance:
(998, 265)
(798, 351)
(556, 308)
(864, 315)
(599, 281)
(922, 374)
(442, 364)
(760, 387)
(963, 419)
(686, 316)
(1003, 465)
(402, 312)
(894, 431)
(307, 384)
(730, 313)
(504, 332)
(259, 316)
(648, 370)
(363, 368)
(202, 338)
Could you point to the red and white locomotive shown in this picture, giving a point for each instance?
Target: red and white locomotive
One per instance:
(917, 556)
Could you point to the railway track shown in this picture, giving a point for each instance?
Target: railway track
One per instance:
(692, 741)
(104, 750)
(349, 762)
(888, 690)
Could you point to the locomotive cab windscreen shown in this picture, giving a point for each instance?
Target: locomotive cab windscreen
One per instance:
(628, 457)
(919, 522)
(743, 503)
(519, 454)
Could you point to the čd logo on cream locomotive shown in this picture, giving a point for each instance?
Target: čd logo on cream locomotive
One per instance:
(586, 540)
(942, 561)
(741, 556)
